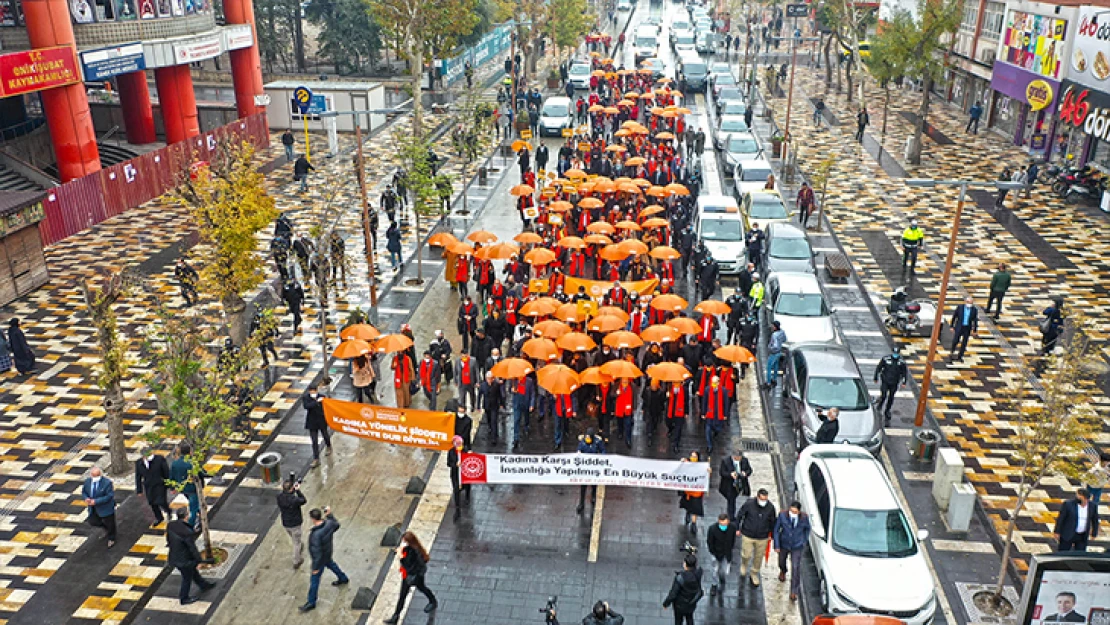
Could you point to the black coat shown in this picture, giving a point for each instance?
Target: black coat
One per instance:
(290, 506)
(685, 592)
(320, 542)
(756, 521)
(463, 427)
(182, 541)
(151, 481)
(314, 413)
(414, 565)
(730, 487)
(827, 432)
(720, 543)
(1069, 514)
(491, 396)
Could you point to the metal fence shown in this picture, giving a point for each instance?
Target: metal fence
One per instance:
(82, 203)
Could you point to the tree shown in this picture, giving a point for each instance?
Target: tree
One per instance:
(196, 391)
(886, 66)
(570, 21)
(422, 29)
(349, 35)
(532, 17)
(1052, 425)
(923, 43)
(230, 206)
(413, 149)
(473, 126)
(820, 180)
(114, 365)
(274, 26)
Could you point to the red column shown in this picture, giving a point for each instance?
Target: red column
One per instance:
(138, 116)
(67, 109)
(246, 65)
(179, 105)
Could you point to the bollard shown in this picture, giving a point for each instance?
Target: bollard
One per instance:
(269, 464)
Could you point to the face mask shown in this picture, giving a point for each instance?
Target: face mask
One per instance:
(762, 502)
(793, 515)
(312, 395)
(723, 526)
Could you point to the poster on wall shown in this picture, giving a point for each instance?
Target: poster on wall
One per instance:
(7, 13)
(146, 10)
(125, 10)
(1073, 597)
(1090, 57)
(178, 7)
(1035, 43)
(81, 11)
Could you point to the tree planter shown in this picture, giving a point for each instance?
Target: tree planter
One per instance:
(776, 148)
(553, 83)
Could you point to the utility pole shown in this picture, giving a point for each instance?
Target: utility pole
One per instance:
(794, 41)
(367, 234)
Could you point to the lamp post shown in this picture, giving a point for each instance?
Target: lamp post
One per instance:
(927, 377)
(794, 42)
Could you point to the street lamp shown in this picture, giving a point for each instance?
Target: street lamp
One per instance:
(926, 183)
(794, 41)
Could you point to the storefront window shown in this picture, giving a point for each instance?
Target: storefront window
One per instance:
(1006, 114)
(993, 17)
(1100, 156)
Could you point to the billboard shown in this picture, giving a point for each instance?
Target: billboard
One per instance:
(1035, 43)
(107, 62)
(1068, 587)
(38, 69)
(1090, 56)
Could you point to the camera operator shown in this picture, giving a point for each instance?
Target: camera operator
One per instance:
(603, 615)
(289, 503)
(685, 591)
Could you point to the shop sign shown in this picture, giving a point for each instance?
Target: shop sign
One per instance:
(197, 50)
(238, 36)
(1086, 108)
(35, 70)
(1035, 43)
(107, 62)
(1038, 142)
(1090, 57)
(1038, 94)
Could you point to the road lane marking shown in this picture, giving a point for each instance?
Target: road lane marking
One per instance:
(595, 533)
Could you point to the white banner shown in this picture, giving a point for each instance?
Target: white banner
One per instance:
(584, 469)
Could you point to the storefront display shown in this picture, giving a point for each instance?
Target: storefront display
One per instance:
(1035, 43)
(1085, 113)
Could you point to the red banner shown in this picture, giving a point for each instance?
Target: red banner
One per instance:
(35, 70)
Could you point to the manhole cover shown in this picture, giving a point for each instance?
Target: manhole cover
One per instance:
(755, 446)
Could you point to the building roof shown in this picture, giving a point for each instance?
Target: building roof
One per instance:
(13, 201)
(323, 85)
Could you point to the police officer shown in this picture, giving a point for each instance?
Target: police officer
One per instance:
(893, 372)
(591, 443)
(755, 295)
(912, 240)
(738, 309)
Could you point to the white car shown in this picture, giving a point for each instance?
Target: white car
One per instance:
(579, 75)
(727, 125)
(718, 226)
(751, 176)
(740, 147)
(684, 43)
(869, 556)
(797, 302)
(624, 5)
(557, 113)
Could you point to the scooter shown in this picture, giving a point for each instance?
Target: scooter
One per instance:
(1091, 188)
(910, 317)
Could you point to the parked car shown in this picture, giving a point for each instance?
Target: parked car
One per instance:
(741, 146)
(787, 250)
(624, 5)
(796, 301)
(750, 176)
(706, 42)
(718, 226)
(864, 50)
(819, 376)
(646, 42)
(680, 26)
(763, 207)
(683, 43)
(579, 75)
(868, 554)
(729, 94)
(720, 81)
(658, 67)
(732, 107)
(695, 71)
(557, 113)
(726, 126)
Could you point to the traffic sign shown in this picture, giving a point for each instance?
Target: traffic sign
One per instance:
(797, 10)
(303, 97)
(526, 134)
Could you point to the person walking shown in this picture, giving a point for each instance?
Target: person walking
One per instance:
(735, 471)
(566, 410)
(805, 203)
(22, 353)
(300, 171)
(316, 423)
(402, 379)
(100, 499)
(1076, 523)
(151, 473)
(187, 279)
(893, 372)
(293, 295)
(266, 336)
(590, 443)
(720, 540)
(181, 472)
(362, 378)
(756, 520)
(974, 114)
(1000, 283)
(602, 614)
(685, 591)
(5, 354)
(524, 402)
(692, 501)
(965, 322)
(818, 111)
(320, 549)
(791, 534)
(1052, 325)
(454, 455)
(184, 556)
(862, 121)
(414, 564)
(774, 353)
(430, 374)
(830, 427)
(287, 141)
(466, 376)
(393, 245)
(490, 392)
(913, 238)
(1031, 172)
(716, 409)
(1005, 176)
(290, 501)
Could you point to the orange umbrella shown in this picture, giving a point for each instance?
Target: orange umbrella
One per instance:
(668, 372)
(551, 329)
(538, 308)
(616, 148)
(595, 108)
(363, 331)
(574, 173)
(664, 136)
(603, 186)
(613, 253)
(713, 307)
(677, 189)
(519, 145)
(653, 209)
(598, 72)
(626, 101)
(498, 251)
(462, 249)
(442, 239)
(643, 184)
(590, 202)
(622, 339)
(598, 239)
(612, 311)
(621, 369)
(601, 227)
(629, 225)
(392, 343)
(522, 189)
(629, 187)
(352, 348)
(655, 222)
(540, 348)
(605, 323)
(657, 192)
(611, 110)
(572, 243)
(623, 132)
(664, 252)
(635, 161)
(539, 256)
(659, 333)
(631, 94)
(684, 325)
(669, 302)
(575, 342)
(560, 206)
(734, 354)
(558, 379)
(593, 375)
(528, 237)
(512, 369)
(633, 246)
(569, 313)
(481, 236)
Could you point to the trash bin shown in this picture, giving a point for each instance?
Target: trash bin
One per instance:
(925, 444)
(270, 465)
(483, 176)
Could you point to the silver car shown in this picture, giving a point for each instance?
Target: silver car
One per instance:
(819, 376)
(787, 249)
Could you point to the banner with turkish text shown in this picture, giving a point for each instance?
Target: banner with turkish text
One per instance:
(597, 288)
(584, 469)
(398, 426)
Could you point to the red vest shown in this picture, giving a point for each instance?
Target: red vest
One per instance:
(564, 406)
(676, 403)
(465, 374)
(556, 280)
(639, 321)
(706, 334)
(462, 270)
(715, 403)
(624, 401)
(426, 367)
(667, 270)
(511, 304)
(402, 370)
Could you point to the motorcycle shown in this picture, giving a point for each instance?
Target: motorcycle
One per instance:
(1091, 189)
(1075, 177)
(908, 317)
